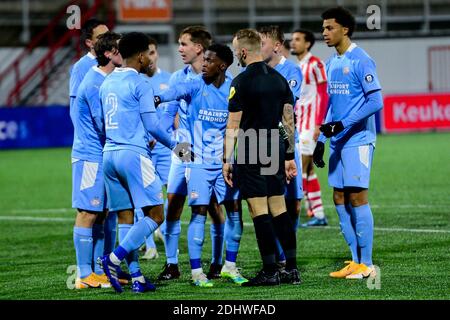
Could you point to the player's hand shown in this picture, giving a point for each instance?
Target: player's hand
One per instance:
(331, 129)
(319, 150)
(227, 171)
(290, 169)
(152, 144)
(316, 133)
(184, 152)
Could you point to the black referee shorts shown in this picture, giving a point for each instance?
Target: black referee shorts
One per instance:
(252, 184)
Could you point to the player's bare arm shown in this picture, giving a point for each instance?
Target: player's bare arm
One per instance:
(231, 133)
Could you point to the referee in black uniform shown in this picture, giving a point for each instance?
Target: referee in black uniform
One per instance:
(260, 100)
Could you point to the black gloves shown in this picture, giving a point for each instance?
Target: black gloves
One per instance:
(318, 155)
(157, 101)
(184, 152)
(331, 129)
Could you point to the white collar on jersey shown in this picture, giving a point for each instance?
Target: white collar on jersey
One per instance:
(158, 70)
(306, 58)
(90, 55)
(125, 69)
(349, 49)
(97, 69)
(282, 60)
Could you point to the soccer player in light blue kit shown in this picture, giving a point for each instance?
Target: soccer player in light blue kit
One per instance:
(88, 194)
(89, 33)
(161, 155)
(92, 28)
(207, 116)
(193, 42)
(355, 97)
(272, 42)
(129, 116)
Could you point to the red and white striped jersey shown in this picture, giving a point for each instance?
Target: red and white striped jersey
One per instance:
(308, 107)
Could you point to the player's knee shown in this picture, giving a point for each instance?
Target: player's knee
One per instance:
(338, 198)
(85, 218)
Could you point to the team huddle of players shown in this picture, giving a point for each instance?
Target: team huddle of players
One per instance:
(138, 128)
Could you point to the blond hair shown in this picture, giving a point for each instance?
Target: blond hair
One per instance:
(249, 39)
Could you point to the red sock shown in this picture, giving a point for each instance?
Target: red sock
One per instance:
(315, 196)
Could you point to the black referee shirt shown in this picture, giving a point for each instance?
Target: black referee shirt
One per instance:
(260, 92)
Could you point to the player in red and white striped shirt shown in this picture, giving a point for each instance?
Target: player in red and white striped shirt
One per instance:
(310, 109)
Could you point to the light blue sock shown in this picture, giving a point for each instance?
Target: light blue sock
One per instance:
(233, 234)
(196, 236)
(83, 242)
(120, 252)
(110, 229)
(135, 237)
(123, 231)
(171, 237)
(345, 222)
(133, 240)
(217, 232)
(98, 235)
(150, 242)
(364, 232)
(162, 227)
(349, 209)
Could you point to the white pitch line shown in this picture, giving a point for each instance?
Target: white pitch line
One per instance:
(246, 224)
(328, 206)
(38, 219)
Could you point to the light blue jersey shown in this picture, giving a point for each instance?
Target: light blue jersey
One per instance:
(351, 77)
(207, 115)
(159, 82)
(125, 95)
(161, 155)
(180, 107)
(77, 73)
(86, 116)
(292, 73)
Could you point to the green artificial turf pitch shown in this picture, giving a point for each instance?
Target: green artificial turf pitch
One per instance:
(409, 195)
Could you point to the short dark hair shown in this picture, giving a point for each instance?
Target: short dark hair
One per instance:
(133, 43)
(273, 32)
(199, 35)
(153, 42)
(342, 16)
(223, 52)
(309, 36)
(106, 42)
(87, 31)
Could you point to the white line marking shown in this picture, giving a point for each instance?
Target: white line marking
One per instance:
(328, 206)
(246, 224)
(38, 219)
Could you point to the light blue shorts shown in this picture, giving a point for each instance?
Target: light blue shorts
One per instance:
(176, 182)
(350, 167)
(162, 159)
(88, 186)
(131, 180)
(202, 182)
(294, 190)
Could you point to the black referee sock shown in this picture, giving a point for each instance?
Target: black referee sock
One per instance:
(265, 236)
(286, 235)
